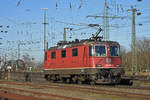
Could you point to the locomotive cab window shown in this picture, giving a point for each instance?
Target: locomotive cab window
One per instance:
(63, 53)
(53, 55)
(75, 52)
(114, 50)
(100, 50)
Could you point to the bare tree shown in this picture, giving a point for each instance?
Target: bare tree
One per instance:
(143, 54)
(28, 61)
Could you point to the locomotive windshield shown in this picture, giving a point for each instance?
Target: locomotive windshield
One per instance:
(100, 50)
(114, 50)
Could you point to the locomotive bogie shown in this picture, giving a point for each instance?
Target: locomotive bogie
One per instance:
(95, 75)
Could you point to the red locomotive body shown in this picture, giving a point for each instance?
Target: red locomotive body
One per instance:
(84, 61)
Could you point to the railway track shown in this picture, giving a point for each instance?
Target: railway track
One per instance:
(28, 92)
(57, 91)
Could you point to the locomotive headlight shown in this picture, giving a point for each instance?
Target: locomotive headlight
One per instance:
(108, 60)
(99, 65)
(117, 65)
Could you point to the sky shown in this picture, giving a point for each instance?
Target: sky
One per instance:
(21, 22)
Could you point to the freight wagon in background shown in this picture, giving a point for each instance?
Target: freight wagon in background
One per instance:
(91, 61)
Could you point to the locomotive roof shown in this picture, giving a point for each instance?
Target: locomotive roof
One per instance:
(80, 43)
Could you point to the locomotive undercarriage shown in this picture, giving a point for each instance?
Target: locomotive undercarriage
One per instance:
(90, 75)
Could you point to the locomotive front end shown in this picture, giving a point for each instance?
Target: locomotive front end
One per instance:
(106, 58)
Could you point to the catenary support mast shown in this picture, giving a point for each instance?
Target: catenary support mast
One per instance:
(133, 41)
(45, 23)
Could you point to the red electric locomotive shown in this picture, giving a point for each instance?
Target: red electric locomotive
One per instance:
(90, 60)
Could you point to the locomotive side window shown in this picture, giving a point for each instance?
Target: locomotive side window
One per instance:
(53, 55)
(114, 50)
(75, 52)
(63, 53)
(100, 51)
(45, 56)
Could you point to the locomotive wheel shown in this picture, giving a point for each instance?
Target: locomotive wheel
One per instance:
(52, 81)
(74, 79)
(79, 82)
(92, 82)
(67, 80)
(63, 80)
